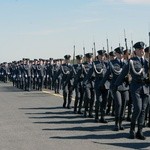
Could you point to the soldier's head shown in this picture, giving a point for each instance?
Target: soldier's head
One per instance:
(79, 59)
(147, 52)
(51, 60)
(101, 54)
(119, 52)
(89, 57)
(40, 61)
(139, 48)
(111, 55)
(67, 58)
(35, 61)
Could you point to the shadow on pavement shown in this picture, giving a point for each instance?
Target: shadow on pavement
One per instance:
(94, 136)
(139, 145)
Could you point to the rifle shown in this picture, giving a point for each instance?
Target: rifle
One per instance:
(126, 45)
(107, 46)
(94, 51)
(125, 39)
(84, 53)
(74, 49)
(149, 59)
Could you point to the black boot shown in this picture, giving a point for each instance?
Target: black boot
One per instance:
(90, 114)
(139, 134)
(75, 105)
(64, 104)
(102, 120)
(116, 128)
(85, 114)
(96, 116)
(132, 131)
(121, 127)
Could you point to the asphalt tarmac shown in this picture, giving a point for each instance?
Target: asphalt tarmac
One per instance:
(36, 121)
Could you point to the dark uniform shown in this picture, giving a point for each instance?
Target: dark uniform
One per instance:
(99, 68)
(110, 94)
(67, 81)
(78, 85)
(34, 74)
(121, 94)
(138, 68)
(56, 78)
(88, 85)
(27, 75)
(40, 75)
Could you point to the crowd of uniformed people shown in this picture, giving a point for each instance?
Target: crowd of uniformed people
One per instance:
(108, 84)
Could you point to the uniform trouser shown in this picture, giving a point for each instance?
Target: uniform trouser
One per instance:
(57, 85)
(89, 99)
(101, 101)
(78, 97)
(120, 98)
(40, 82)
(27, 83)
(140, 102)
(50, 83)
(67, 93)
(130, 105)
(110, 102)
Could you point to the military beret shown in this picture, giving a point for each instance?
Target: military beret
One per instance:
(50, 58)
(67, 56)
(112, 53)
(79, 57)
(147, 49)
(35, 60)
(89, 55)
(119, 50)
(139, 45)
(101, 52)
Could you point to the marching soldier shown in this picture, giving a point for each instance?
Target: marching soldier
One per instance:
(40, 74)
(67, 81)
(110, 94)
(88, 85)
(121, 93)
(138, 68)
(50, 73)
(27, 75)
(56, 78)
(34, 74)
(78, 82)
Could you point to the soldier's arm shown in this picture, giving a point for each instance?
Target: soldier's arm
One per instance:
(106, 77)
(88, 76)
(122, 75)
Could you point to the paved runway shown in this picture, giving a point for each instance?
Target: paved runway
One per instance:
(36, 121)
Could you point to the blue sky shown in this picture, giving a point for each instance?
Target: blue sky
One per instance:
(50, 28)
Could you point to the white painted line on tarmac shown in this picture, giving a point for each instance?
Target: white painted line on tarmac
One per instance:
(58, 95)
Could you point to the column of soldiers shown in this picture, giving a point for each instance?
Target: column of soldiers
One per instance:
(107, 84)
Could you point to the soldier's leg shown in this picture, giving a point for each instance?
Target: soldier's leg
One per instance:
(91, 100)
(76, 99)
(86, 100)
(141, 118)
(65, 95)
(118, 105)
(103, 105)
(70, 93)
(130, 106)
(109, 104)
(81, 93)
(137, 107)
(124, 97)
(97, 103)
